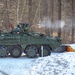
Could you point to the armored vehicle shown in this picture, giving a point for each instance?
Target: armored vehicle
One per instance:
(21, 40)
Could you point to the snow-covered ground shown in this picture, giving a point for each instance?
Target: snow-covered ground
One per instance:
(56, 64)
(15, 66)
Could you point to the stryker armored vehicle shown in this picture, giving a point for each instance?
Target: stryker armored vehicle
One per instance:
(20, 40)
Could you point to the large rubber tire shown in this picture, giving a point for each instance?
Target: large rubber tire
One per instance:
(4, 51)
(15, 51)
(46, 51)
(31, 51)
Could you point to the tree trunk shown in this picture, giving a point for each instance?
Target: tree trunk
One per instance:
(72, 37)
(18, 5)
(59, 18)
(30, 11)
(6, 16)
(52, 8)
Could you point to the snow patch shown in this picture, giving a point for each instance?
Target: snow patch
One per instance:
(57, 64)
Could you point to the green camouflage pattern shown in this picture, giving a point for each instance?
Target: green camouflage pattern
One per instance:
(22, 37)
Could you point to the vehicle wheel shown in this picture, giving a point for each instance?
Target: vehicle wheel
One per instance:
(15, 51)
(31, 51)
(3, 51)
(46, 51)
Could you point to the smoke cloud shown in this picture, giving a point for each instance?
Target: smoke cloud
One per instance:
(48, 24)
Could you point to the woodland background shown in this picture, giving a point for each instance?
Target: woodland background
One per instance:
(52, 17)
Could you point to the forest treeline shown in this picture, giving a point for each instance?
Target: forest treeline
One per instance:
(52, 17)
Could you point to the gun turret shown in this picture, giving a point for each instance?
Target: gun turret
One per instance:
(24, 26)
(21, 28)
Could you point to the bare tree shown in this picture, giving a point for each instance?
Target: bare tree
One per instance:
(18, 5)
(45, 16)
(37, 12)
(72, 37)
(23, 10)
(6, 16)
(59, 18)
(52, 8)
(30, 11)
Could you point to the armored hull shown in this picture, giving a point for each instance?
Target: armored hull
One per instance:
(31, 43)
